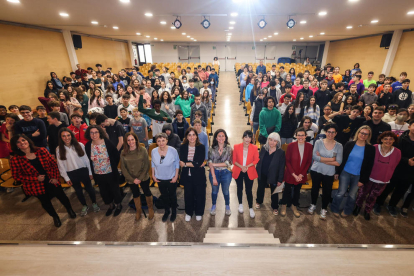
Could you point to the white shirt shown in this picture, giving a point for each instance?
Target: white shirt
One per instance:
(72, 162)
(398, 129)
(245, 151)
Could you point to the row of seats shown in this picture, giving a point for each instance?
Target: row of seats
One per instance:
(172, 67)
(299, 67)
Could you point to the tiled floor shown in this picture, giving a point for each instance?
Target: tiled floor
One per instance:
(28, 221)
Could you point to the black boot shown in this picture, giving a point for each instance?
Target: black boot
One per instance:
(356, 211)
(367, 216)
(173, 214)
(71, 213)
(57, 222)
(166, 214)
(118, 210)
(110, 210)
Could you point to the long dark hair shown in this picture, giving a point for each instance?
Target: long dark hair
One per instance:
(93, 97)
(296, 104)
(185, 140)
(169, 100)
(16, 150)
(73, 142)
(215, 143)
(289, 117)
(126, 149)
(309, 104)
(304, 118)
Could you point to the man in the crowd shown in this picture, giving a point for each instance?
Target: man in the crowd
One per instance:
(124, 77)
(79, 71)
(113, 128)
(261, 68)
(214, 76)
(403, 96)
(370, 80)
(33, 128)
(348, 124)
(283, 73)
(385, 97)
(323, 96)
(78, 128)
(53, 130)
(380, 88)
(398, 84)
(198, 106)
(305, 90)
(376, 124)
(99, 69)
(370, 97)
(173, 139)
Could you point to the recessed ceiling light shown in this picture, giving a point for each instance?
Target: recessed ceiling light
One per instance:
(188, 36)
(301, 38)
(353, 0)
(294, 40)
(192, 38)
(349, 27)
(226, 30)
(229, 34)
(410, 12)
(64, 14)
(14, 1)
(322, 13)
(269, 36)
(155, 38)
(172, 27)
(374, 21)
(195, 39)
(311, 36)
(115, 27)
(162, 39)
(138, 33)
(261, 39)
(232, 22)
(302, 22)
(276, 33)
(265, 38)
(163, 22)
(231, 28)
(234, 14)
(95, 22)
(147, 36)
(322, 33)
(148, 14)
(183, 33)
(124, 1)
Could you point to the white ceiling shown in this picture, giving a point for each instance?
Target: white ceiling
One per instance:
(130, 19)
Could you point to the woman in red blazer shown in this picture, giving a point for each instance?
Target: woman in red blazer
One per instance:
(245, 157)
(39, 173)
(298, 161)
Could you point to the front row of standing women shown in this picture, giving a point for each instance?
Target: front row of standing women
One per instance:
(362, 169)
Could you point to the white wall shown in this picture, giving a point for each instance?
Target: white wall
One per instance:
(165, 52)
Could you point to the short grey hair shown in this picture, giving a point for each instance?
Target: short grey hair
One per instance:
(273, 136)
(160, 135)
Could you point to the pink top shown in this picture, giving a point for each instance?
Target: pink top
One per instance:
(314, 89)
(95, 103)
(295, 89)
(265, 84)
(384, 166)
(146, 97)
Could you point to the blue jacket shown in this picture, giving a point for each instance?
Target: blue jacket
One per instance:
(249, 88)
(175, 128)
(261, 68)
(204, 140)
(215, 77)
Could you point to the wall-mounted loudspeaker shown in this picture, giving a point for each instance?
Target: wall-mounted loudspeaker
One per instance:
(386, 41)
(77, 41)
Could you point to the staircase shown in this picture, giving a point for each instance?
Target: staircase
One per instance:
(240, 235)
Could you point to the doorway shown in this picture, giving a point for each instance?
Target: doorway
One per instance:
(189, 54)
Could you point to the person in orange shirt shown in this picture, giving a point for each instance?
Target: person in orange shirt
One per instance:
(381, 87)
(201, 74)
(337, 77)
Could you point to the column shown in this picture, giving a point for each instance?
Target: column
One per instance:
(131, 54)
(67, 36)
(392, 51)
(325, 53)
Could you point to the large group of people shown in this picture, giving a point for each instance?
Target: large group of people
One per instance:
(94, 126)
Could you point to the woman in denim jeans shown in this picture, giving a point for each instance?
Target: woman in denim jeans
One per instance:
(219, 160)
(354, 172)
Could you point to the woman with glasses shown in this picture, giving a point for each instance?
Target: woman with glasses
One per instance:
(104, 159)
(386, 160)
(354, 172)
(245, 158)
(327, 154)
(165, 168)
(193, 174)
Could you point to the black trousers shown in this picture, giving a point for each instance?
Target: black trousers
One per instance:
(261, 186)
(168, 192)
(387, 191)
(401, 187)
(53, 191)
(78, 176)
(108, 188)
(327, 182)
(287, 194)
(145, 188)
(194, 195)
(249, 186)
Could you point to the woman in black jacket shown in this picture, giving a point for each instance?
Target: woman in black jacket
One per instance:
(104, 158)
(357, 161)
(50, 89)
(271, 169)
(193, 175)
(289, 125)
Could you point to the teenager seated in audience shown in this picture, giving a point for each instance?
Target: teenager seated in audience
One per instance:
(52, 132)
(288, 88)
(369, 97)
(403, 96)
(376, 124)
(180, 124)
(385, 98)
(337, 103)
(399, 126)
(348, 124)
(114, 130)
(33, 128)
(55, 107)
(310, 128)
(323, 95)
(7, 130)
(391, 115)
(41, 114)
(255, 92)
(410, 113)
(184, 101)
(270, 119)
(398, 84)
(198, 106)
(50, 89)
(283, 105)
(381, 87)
(124, 119)
(312, 110)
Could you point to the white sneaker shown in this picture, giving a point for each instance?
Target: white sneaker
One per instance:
(241, 211)
(213, 210)
(311, 209)
(323, 214)
(187, 218)
(198, 218)
(228, 211)
(252, 214)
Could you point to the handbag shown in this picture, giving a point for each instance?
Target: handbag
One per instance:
(262, 139)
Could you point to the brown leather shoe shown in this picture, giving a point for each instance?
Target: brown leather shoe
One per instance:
(283, 210)
(295, 211)
(150, 205)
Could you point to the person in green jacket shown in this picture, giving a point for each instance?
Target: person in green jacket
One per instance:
(154, 113)
(269, 117)
(198, 83)
(185, 101)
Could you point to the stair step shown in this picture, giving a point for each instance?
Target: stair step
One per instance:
(243, 240)
(242, 235)
(216, 231)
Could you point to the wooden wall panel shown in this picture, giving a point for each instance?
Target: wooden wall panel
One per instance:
(106, 52)
(27, 58)
(365, 51)
(404, 59)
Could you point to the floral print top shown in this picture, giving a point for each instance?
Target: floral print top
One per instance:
(100, 159)
(226, 156)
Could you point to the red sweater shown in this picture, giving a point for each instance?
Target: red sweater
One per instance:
(384, 167)
(293, 164)
(79, 133)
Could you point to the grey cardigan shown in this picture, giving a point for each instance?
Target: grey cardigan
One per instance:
(320, 167)
(170, 111)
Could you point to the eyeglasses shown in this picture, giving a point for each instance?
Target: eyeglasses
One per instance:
(364, 133)
(162, 159)
(94, 132)
(331, 132)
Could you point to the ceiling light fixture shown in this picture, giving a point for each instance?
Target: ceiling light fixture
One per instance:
(261, 39)
(374, 21)
(155, 38)
(349, 27)
(294, 40)
(302, 22)
(262, 23)
(276, 33)
(301, 38)
(226, 30)
(188, 36)
(115, 27)
(410, 12)
(322, 33)
(234, 14)
(269, 36)
(173, 28)
(205, 23)
(311, 36)
(148, 14)
(124, 1)
(322, 13)
(64, 14)
(163, 22)
(229, 34)
(183, 33)
(231, 28)
(353, 0)
(195, 39)
(147, 36)
(95, 22)
(162, 39)
(14, 1)
(265, 38)
(232, 22)
(138, 33)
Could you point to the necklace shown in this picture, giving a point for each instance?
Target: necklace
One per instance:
(385, 153)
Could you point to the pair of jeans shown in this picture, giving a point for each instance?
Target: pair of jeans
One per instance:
(249, 186)
(346, 180)
(108, 189)
(223, 178)
(373, 190)
(241, 91)
(255, 128)
(327, 182)
(286, 140)
(287, 194)
(51, 191)
(78, 176)
(145, 188)
(168, 191)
